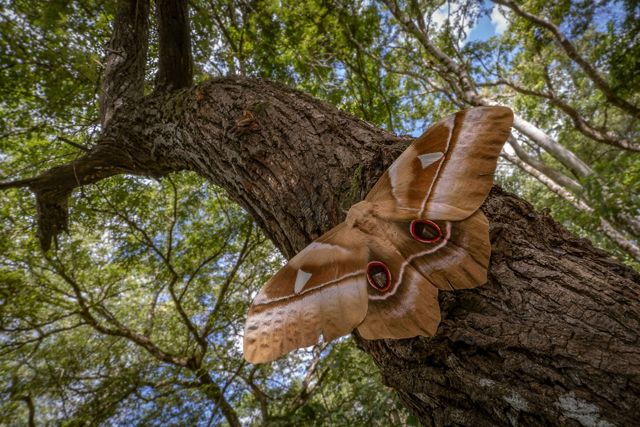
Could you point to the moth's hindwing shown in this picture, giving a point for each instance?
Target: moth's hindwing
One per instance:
(459, 260)
(407, 309)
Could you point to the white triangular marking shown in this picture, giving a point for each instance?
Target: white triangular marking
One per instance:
(429, 158)
(301, 279)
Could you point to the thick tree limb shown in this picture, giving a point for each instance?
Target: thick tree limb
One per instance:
(175, 61)
(53, 188)
(124, 73)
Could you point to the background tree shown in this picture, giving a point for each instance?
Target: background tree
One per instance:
(135, 242)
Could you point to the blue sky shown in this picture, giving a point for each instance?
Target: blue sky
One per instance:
(486, 27)
(492, 21)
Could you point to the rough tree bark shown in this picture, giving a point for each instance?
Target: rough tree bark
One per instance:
(551, 339)
(123, 78)
(175, 61)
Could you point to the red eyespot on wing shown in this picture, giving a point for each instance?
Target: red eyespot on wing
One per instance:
(425, 231)
(379, 276)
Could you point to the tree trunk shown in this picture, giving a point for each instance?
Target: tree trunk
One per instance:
(551, 339)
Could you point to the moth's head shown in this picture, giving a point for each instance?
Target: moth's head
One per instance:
(358, 212)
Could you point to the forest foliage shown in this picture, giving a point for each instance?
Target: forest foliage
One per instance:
(136, 315)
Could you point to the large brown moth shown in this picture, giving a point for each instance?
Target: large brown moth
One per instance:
(419, 231)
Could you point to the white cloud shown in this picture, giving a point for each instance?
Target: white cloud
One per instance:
(450, 10)
(499, 20)
(439, 17)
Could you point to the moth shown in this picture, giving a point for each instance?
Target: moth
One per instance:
(419, 231)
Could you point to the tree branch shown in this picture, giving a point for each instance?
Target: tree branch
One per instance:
(557, 176)
(215, 394)
(124, 73)
(53, 187)
(32, 409)
(166, 260)
(579, 122)
(175, 62)
(73, 144)
(464, 86)
(117, 329)
(607, 228)
(573, 53)
(242, 256)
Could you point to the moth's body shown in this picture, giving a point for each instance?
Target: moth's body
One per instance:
(364, 217)
(418, 232)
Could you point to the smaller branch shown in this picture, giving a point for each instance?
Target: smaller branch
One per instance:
(151, 314)
(607, 228)
(557, 176)
(32, 409)
(418, 77)
(227, 36)
(307, 389)
(117, 329)
(227, 283)
(259, 394)
(134, 226)
(174, 218)
(559, 152)
(200, 266)
(580, 123)
(16, 345)
(19, 183)
(175, 62)
(216, 396)
(200, 339)
(31, 326)
(573, 53)
(74, 144)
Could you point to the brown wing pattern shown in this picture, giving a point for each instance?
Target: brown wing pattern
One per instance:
(446, 173)
(408, 309)
(458, 261)
(321, 291)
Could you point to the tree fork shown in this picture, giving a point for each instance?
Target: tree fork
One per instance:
(552, 338)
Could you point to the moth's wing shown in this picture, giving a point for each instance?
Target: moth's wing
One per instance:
(321, 291)
(408, 309)
(459, 260)
(448, 171)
